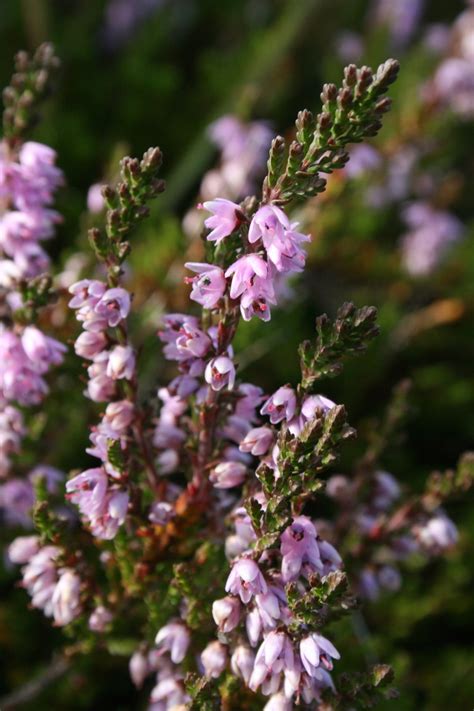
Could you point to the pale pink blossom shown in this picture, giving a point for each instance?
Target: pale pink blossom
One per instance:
(226, 217)
(220, 373)
(208, 286)
(246, 580)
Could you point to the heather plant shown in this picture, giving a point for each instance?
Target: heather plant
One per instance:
(198, 541)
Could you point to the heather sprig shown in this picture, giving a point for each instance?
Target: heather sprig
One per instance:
(349, 114)
(30, 85)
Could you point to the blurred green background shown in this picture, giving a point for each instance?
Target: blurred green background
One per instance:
(137, 73)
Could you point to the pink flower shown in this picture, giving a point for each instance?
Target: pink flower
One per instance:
(95, 199)
(106, 523)
(65, 600)
(310, 405)
(99, 619)
(139, 668)
(114, 306)
(214, 659)
(275, 655)
(23, 548)
(41, 350)
(175, 638)
(86, 294)
(118, 417)
(298, 546)
(226, 217)
(88, 491)
(281, 241)
(257, 441)
(242, 662)
(226, 613)
(250, 397)
(191, 342)
(244, 272)
(315, 650)
(228, 474)
(281, 405)
(40, 578)
(90, 344)
(121, 363)
(438, 534)
(246, 580)
(209, 286)
(220, 373)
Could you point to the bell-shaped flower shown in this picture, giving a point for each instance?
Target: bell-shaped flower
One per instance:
(214, 659)
(208, 286)
(281, 405)
(174, 638)
(113, 306)
(225, 475)
(315, 650)
(242, 662)
(226, 217)
(298, 546)
(226, 613)
(258, 441)
(246, 580)
(220, 373)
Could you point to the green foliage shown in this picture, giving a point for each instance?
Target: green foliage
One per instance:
(349, 115)
(350, 333)
(30, 85)
(326, 600)
(127, 206)
(36, 293)
(204, 693)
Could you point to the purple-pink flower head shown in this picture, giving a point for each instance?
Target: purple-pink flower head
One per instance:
(225, 219)
(244, 271)
(281, 405)
(86, 294)
(208, 286)
(113, 306)
(298, 546)
(191, 342)
(88, 491)
(279, 237)
(257, 299)
(275, 655)
(316, 650)
(220, 373)
(246, 580)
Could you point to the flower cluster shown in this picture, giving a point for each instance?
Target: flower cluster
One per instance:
(28, 182)
(54, 588)
(101, 493)
(276, 250)
(387, 530)
(431, 233)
